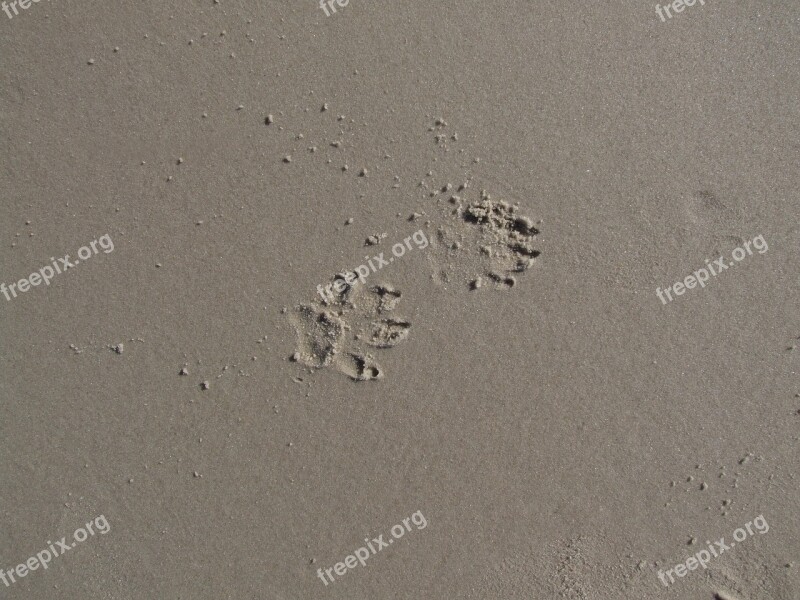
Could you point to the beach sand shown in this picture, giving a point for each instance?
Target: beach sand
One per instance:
(515, 379)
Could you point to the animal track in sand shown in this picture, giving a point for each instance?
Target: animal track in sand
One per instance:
(333, 331)
(483, 240)
(475, 237)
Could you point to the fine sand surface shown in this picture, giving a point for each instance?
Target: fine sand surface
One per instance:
(497, 404)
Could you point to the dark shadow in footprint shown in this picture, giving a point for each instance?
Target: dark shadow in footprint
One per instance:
(510, 230)
(388, 333)
(505, 280)
(388, 297)
(361, 367)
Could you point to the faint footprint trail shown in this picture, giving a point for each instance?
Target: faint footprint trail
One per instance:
(572, 568)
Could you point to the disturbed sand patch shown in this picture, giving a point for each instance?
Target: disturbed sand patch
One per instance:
(574, 568)
(335, 331)
(479, 240)
(320, 335)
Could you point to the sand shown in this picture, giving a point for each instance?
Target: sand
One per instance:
(519, 180)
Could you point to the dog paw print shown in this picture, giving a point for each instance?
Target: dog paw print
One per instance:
(335, 331)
